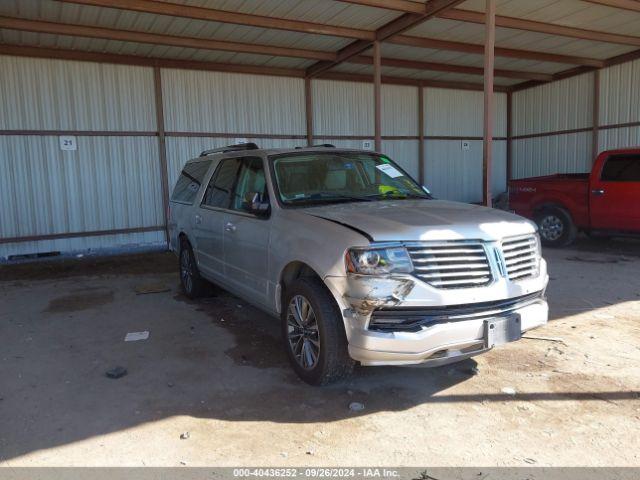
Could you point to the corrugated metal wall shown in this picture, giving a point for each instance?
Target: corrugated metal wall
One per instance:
(450, 171)
(196, 101)
(568, 105)
(620, 104)
(113, 180)
(42, 94)
(239, 104)
(570, 153)
(400, 119)
(181, 149)
(557, 106)
(345, 109)
(108, 183)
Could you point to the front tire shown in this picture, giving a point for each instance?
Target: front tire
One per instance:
(313, 333)
(556, 227)
(193, 285)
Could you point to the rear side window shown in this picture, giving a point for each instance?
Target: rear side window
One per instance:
(218, 192)
(189, 182)
(621, 168)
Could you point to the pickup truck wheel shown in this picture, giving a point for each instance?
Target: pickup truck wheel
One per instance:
(314, 333)
(193, 285)
(556, 227)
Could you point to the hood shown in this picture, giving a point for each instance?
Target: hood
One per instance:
(419, 220)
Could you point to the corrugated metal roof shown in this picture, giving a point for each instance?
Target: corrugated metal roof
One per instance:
(571, 13)
(162, 24)
(453, 30)
(144, 50)
(575, 13)
(324, 11)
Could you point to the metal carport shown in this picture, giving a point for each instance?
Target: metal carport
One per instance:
(142, 85)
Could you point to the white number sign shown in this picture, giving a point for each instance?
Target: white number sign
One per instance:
(68, 143)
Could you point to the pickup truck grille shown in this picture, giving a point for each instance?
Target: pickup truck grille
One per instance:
(451, 264)
(521, 256)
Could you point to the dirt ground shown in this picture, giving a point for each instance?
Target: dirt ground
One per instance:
(216, 369)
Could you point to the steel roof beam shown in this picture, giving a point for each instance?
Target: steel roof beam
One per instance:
(223, 16)
(435, 44)
(446, 67)
(519, 23)
(395, 27)
(201, 13)
(158, 39)
(541, 27)
(78, 55)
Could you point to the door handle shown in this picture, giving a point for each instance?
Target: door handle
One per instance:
(597, 192)
(198, 219)
(230, 227)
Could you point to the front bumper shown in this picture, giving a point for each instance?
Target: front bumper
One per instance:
(438, 340)
(438, 344)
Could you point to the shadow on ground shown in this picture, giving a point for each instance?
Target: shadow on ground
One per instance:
(216, 358)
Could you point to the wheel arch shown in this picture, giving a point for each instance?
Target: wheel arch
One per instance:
(292, 271)
(549, 205)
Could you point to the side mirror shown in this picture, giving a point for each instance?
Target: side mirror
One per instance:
(255, 203)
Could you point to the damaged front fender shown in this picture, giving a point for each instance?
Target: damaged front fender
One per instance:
(365, 293)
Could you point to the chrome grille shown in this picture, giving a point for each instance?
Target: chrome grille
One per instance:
(521, 256)
(451, 264)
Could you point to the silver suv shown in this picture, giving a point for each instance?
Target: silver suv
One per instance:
(359, 262)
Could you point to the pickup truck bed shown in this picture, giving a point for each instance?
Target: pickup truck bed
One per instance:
(529, 195)
(605, 201)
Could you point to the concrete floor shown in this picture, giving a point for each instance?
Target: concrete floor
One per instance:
(217, 370)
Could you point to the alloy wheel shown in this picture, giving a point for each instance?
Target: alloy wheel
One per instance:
(551, 228)
(186, 269)
(303, 333)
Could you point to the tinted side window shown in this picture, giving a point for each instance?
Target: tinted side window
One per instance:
(621, 168)
(251, 182)
(189, 181)
(218, 192)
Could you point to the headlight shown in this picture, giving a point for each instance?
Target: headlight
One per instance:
(378, 261)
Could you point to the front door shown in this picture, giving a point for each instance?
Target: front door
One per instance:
(246, 234)
(615, 194)
(210, 218)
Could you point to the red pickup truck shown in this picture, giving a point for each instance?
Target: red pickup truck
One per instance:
(605, 202)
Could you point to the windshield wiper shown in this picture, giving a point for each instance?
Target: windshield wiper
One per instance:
(330, 196)
(398, 196)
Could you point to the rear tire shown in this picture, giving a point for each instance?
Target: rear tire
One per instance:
(556, 227)
(193, 285)
(313, 333)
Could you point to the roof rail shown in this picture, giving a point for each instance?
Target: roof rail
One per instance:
(231, 148)
(319, 145)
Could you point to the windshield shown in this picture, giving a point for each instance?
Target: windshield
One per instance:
(325, 177)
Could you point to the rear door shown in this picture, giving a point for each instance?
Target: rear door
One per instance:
(210, 217)
(183, 196)
(615, 193)
(246, 235)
